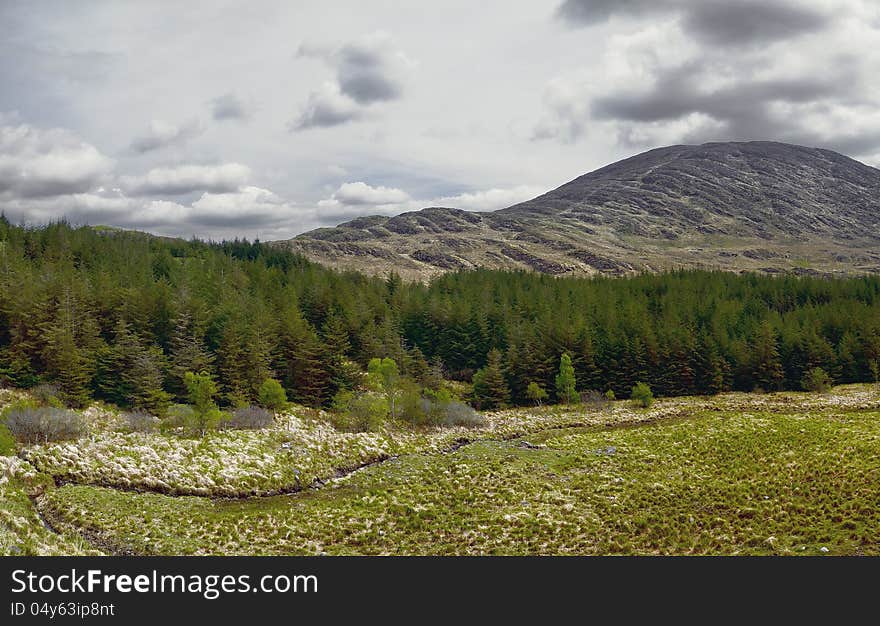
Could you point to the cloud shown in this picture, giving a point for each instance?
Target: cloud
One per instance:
(357, 199)
(162, 134)
(745, 108)
(490, 199)
(327, 106)
(183, 179)
(229, 107)
(721, 22)
(368, 71)
(716, 22)
(662, 85)
(589, 12)
(567, 112)
(214, 215)
(47, 162)
(361, 193)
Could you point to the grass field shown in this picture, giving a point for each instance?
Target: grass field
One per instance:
(735, 474)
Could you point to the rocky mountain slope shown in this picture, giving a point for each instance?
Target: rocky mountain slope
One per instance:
(735, 206)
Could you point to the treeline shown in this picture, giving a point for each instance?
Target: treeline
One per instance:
(123, 316)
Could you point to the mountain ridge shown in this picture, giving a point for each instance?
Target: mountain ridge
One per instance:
(762, 206)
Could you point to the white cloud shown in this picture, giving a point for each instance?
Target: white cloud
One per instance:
(184, 179)
(361, 193)
(38, 162)
(490, 199)
(359, 198)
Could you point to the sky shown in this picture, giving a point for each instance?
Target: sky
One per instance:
(263, 120)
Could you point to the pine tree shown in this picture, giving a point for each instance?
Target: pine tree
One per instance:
(490, 387)
(130, 374)
(767, 372)
(299, 361)
(67, 366)
(188, 354)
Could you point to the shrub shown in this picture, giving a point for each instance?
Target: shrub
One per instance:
(178, 416)
(272, 396)
(205, 414)
(29, 423)
(47, 395)
(817, 380)
(200, 423)
(456, 413)
(359, 413)
(140, 421)
(642, 395)
(609, 395)
(536, 393)
(249, 418)
(412, 407)
(595, 400)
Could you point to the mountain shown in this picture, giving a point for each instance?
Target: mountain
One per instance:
(761, 206)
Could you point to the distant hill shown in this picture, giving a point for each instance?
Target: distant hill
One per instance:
(763, 206)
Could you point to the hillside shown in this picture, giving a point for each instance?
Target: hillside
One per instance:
(762, 206)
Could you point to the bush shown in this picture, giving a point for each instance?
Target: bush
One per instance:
(140, 421)
(47, 395)
(272, 395)
(536, 393)
(609, 395)
(456, 413)
(438, 408)
(817, 380)
(178, 416)
(595, 400)
(29, 423)
(642, 395)
(411, 406)
(249, 418)
(359, 413)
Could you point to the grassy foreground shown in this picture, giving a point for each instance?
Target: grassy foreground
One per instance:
(782, 474)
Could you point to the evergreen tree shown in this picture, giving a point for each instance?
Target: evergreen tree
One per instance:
(299, 361)
(130, 374)
(767, 372)
(188, 354)
(67, 366)
(489, 386)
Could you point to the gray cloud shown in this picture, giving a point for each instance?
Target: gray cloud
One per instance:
(367, 71)
(229, 107)
(161, 134)
(327, 106)
(589, 12)
(365, 74)
(717, 22)
(746, 108)
(751, 21)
